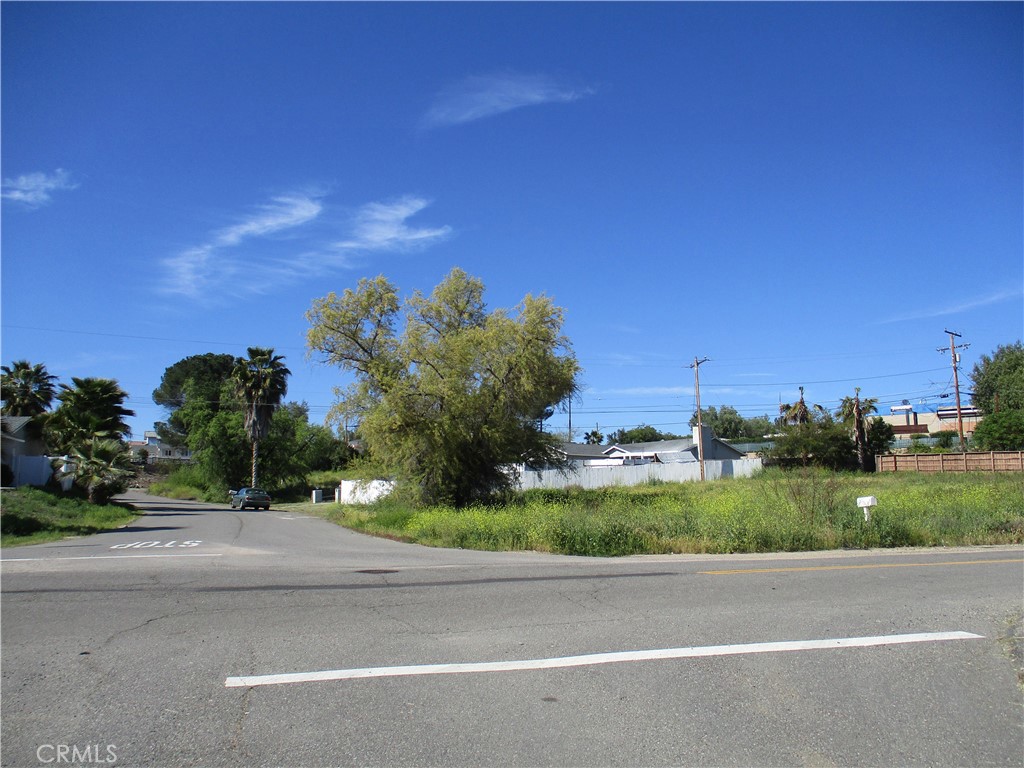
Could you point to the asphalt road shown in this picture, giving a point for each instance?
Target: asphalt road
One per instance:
(165, 643)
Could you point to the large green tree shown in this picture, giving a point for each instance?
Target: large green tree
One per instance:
(291, 448)
(450, 400)
(261, 382)
(193, 381)
(644, 433)
(728, 424)
(820, 442)
(998, 380)
(1002, 431)
(27, 389)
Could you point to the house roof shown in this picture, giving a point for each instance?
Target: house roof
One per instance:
(14, 426)
(679, 450)
(658, 446)
(682, 449)
(582, 451)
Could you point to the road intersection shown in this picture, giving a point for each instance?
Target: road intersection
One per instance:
(164, 644)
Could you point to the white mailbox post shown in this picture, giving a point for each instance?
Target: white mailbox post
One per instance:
(866, 503)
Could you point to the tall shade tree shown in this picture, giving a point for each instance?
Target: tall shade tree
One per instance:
(999, 380)
(729, 424)
(644, 433)
(450, 402)
(192, 384)
(26, 389)
(89, 407)
(261, 381)
(853, 412)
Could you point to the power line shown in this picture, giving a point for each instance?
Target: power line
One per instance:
(953, 347)
(597, 361)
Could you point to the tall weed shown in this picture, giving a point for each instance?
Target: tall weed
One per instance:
(776, 511)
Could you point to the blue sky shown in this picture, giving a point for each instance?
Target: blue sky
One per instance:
(806, 194)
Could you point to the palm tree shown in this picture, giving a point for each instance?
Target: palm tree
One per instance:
(101, 466)
(90, 407)
(261, 381)
(798, 412)
(854, 412)
(27, 390)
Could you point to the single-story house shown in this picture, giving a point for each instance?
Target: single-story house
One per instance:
(678, 451)
(589, 455)
(683, 450)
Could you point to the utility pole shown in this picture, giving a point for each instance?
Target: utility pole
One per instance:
(953, 347)
(700, 433)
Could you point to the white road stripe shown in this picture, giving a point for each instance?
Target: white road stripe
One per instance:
(595, 658)
(105, 557)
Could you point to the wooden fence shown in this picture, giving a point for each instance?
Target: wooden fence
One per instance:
(994, 461)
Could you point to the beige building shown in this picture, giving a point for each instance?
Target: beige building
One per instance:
(906, 421)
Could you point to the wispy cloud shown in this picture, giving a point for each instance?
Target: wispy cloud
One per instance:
(283, 212)
(382, 227)
(480, 96)
(216, 265)
(33, 189)
(955, 309)
(193, 270)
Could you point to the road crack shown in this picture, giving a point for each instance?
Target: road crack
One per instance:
(236, 745)
(1012, 643)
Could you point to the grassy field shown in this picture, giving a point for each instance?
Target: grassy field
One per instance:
(776, 511)
(32, 516)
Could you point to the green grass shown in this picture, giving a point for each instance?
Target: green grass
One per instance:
(776, 511)
(33, 516)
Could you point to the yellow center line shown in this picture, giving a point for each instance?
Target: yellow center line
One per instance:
(733, 571)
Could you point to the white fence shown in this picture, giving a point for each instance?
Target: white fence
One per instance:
(31, 470)
(368, 491)
(362, 491)
(601, 477)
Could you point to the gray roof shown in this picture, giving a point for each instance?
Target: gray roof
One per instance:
(671, 450)
(677, 457)
(658, 446)
(13, 426)
(582, 451)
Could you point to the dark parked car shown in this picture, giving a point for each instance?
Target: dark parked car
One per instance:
(256, 498)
